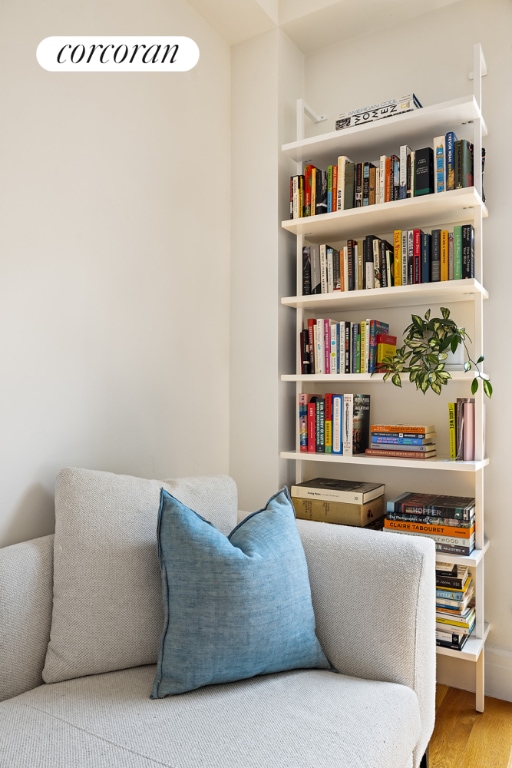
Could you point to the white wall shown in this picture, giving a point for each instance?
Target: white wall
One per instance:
(266, 81)
(114, 258)
(432, 57)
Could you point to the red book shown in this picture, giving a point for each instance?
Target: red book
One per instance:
(416, 256)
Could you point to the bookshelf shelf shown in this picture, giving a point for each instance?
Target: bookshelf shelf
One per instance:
(465, 205)
(454, 206)
(359, 377)
(384, 135)
(449, 291)
(438, 464)
(471, 651)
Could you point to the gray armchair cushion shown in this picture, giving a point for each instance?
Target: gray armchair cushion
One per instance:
(107, 602)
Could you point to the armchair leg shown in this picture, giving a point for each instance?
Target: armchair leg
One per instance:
(424, 760)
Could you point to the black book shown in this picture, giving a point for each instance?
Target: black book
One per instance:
(306, 270)
(424, 171)
(435, 258)
(321, 192)
(468, 250)
(358, 185)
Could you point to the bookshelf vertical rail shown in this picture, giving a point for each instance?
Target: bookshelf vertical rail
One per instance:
(457, 206)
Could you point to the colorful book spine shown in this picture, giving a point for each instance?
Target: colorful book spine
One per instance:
(348, 424)
(337, 424)
(450, 140)
(440, 163)
(452, 430)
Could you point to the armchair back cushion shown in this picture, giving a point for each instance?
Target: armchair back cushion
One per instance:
(107, 601)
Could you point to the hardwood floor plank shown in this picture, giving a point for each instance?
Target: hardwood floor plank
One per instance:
(464, 737)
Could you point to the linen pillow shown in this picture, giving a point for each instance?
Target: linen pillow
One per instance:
(235, 606)
(107, 596)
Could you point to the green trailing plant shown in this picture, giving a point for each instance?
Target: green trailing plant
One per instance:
(427, 342)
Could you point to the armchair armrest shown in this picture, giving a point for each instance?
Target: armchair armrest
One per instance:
(26, 586)
(374, 600)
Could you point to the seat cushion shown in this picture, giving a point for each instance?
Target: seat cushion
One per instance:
(107, 599)
(235, 606)
(296, 719)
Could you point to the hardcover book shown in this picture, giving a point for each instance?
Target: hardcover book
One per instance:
(424, 171)
(333, 489)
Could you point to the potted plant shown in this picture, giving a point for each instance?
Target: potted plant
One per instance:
(427, 342)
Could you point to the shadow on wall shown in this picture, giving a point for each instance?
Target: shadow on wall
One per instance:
(34, 516)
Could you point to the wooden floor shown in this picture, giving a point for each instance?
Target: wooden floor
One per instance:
(464, 738)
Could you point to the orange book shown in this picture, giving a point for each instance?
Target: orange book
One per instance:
(438, 530)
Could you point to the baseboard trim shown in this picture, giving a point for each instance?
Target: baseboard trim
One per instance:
(461, 674)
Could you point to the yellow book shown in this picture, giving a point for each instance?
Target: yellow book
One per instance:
(445, 260)
(452, 430)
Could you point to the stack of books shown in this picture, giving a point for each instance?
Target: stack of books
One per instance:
(402, 441)
(345, 502)
(449, 520)
(455, 610)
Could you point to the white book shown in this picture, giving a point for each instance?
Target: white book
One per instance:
(405, 151)
(348, 424)
(323, 269)
(337, 416)
(334, 351)
(320, 346)
(342, 162)
(382, 178)
(330, 270)
(345, 268)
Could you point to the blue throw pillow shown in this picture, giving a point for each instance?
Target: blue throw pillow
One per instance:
(235, 606)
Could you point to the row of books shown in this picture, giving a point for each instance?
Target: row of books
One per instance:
(448, 520)
(461, 429)
(341, 346)
(334, 423)
(455, 605)
(344, 184)
(415, 256)
(343, 502)
(402, 444)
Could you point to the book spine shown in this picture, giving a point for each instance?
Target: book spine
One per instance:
(303, 422)
(391, 440)
(404, 155)
(312, 425)
(397, 454)
(337, 424)
(403, 259)
(450, 140)
(328, 422)
(320, 425)
(452, 430)
(426, 245)
(444, 262)
(431, 529)
(402, 429)
(449, 581)
(435, 264)
(440, 163)
(468, 250)
(348, 423)
(457, 252)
